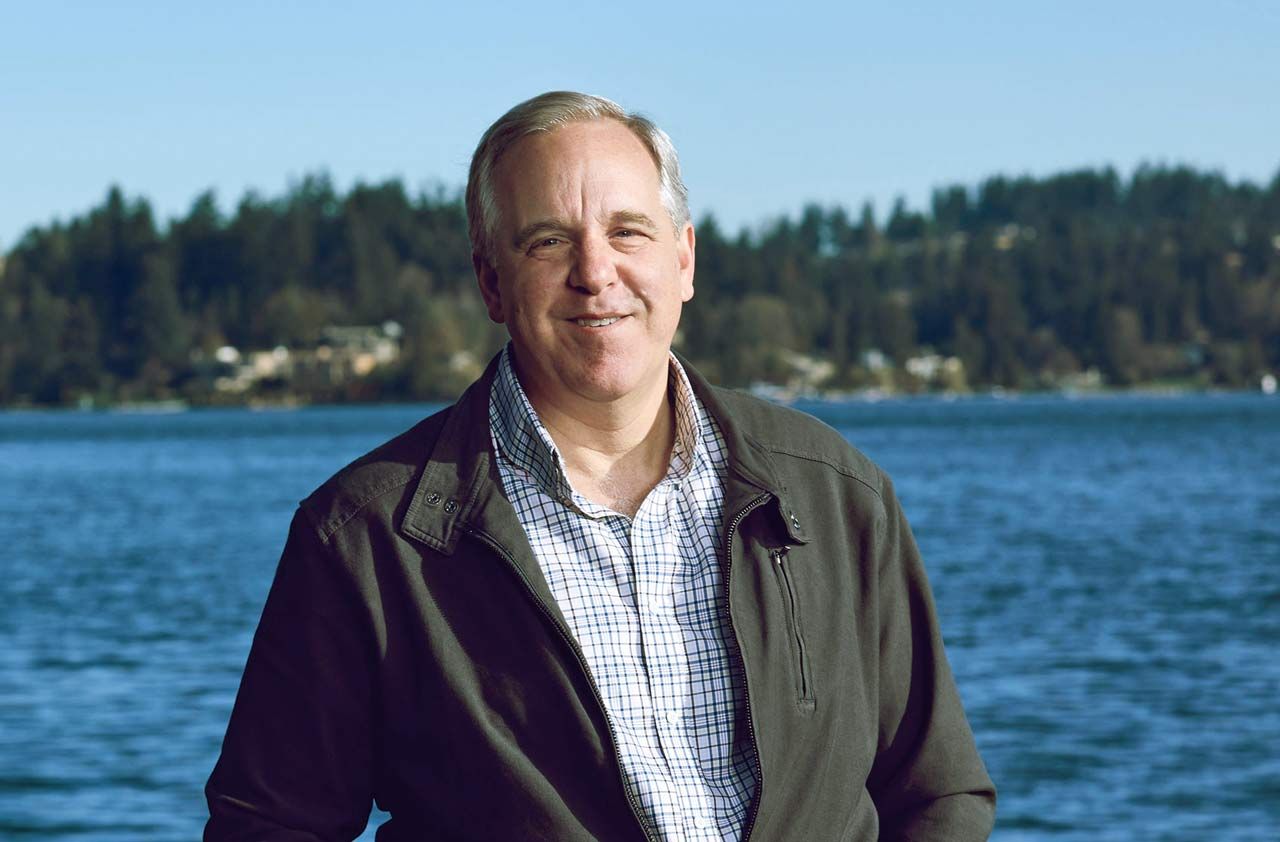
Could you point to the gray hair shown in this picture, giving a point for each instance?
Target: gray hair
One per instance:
(545, 113)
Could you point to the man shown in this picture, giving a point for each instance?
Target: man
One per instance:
(598, 598)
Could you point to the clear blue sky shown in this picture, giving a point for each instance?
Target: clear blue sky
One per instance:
(827, 102)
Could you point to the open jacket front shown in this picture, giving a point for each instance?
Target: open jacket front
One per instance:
(411, 651)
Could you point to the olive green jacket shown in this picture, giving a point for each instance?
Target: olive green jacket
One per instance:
(411, 651)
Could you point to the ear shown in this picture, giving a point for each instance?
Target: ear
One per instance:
(487, 280)
(686, 243)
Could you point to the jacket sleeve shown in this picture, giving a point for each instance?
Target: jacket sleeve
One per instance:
(928, 781)
(296, 762)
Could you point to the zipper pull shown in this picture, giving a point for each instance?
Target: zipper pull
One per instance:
(779, 554)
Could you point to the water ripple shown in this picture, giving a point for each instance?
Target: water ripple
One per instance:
(1107, 572)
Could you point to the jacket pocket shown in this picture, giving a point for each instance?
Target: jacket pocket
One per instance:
(805, 699)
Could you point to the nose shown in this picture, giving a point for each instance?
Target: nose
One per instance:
(594, 269)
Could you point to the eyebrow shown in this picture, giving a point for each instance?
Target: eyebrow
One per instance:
(528, 232)
(531, 230)
(633, 218)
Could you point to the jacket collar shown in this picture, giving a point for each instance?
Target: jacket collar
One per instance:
(459, 489)
(460, 476)
(750, 460)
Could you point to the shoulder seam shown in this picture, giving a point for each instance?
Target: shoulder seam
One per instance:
(331, 492)
(824, 460)
(328, 528)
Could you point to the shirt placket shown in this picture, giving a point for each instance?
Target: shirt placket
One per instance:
(627, 690)
(655, 536)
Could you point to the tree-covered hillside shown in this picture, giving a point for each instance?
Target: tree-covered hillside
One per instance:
(1171, 275)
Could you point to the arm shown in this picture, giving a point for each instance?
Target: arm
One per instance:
(296, 763)
(928, 781)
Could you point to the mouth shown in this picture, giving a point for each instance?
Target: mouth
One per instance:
(603, 321)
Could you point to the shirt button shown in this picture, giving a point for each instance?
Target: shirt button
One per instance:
(702, 821)
(673, 717)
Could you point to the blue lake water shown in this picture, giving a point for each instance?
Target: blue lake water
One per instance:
(1107, 571)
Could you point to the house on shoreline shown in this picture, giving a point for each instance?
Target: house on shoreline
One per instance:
(343, 355)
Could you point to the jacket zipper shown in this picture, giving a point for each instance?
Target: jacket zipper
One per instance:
(793, 617)
(742, 662)
(582, 662)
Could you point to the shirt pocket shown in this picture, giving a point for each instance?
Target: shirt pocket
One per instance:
(806, 702)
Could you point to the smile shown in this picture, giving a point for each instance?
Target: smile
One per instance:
(596, 322)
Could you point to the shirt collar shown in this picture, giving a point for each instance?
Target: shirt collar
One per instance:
(521, 438)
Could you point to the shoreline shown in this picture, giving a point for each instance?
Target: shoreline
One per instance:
(767, 392)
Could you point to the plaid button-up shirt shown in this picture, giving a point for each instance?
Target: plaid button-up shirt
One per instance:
(645, 599)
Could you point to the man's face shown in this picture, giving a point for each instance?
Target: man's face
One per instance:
(590, 275)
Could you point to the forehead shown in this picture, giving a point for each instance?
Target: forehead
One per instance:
(576, 169)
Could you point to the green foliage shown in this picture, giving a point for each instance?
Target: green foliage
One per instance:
(1173, 274)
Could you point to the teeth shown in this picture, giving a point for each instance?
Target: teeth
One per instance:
(597, 322)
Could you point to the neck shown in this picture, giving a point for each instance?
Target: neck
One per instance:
(614, 452)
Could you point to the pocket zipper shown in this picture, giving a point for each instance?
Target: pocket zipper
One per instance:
(779, 555)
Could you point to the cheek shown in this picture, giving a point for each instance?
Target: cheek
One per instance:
(529, 317)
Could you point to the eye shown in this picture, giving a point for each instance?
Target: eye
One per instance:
(545, 243)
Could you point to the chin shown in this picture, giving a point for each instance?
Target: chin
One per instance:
(603, 389)
(606, 380)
